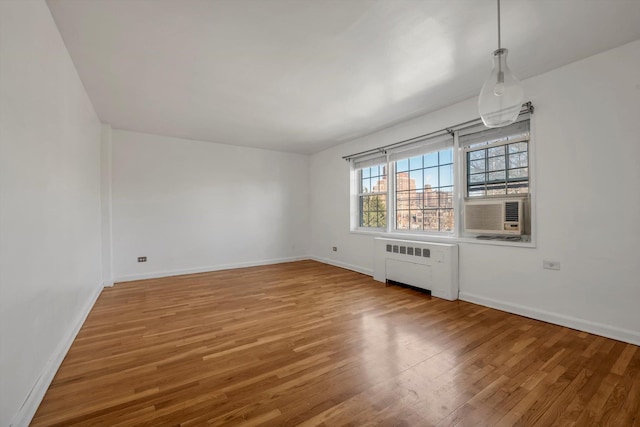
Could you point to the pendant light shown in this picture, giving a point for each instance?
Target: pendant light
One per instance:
(501, 96)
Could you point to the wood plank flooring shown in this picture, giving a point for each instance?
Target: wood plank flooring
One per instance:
(311, 344)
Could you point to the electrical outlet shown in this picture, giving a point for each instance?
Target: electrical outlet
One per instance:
(334, 249)
(142, 259)
(551, 265)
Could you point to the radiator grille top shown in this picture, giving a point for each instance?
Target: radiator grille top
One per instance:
(409, 251)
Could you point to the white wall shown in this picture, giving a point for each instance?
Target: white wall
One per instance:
(587, 141)
(49, 204)
(193, 206)
(196, 206)
(105, 204)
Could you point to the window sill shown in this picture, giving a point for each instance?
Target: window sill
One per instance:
(474, 241)
(376, 233)
(442, 238)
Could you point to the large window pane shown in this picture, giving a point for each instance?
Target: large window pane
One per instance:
(477, 191)
(499, 168)
(446, 176)
(430, 160)
(416, 178)
(402, 219)
(495, 151)
(423, 190)
(431, 199)
(431, 219)
(477, 178)
(518, 147)
(518, 160)
(402, 199)
(415, 163)
(496, 163)
(445, 156)
(518, 188)
(476, 166)
(416, 220)
(519, 173)
(446, 197)
(378, 184)
(366, 185)
(416, 199)
(373, 211)
(496, 176)
(372, 198)
(496, 190)
(446, 219)
(402, 181)
(431, 177)
(476, 155)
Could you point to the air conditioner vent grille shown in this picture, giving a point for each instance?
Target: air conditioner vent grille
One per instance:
(494, 216)
(511, 212)
(485, 217)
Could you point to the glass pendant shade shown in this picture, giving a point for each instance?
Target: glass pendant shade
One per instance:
(501, 96)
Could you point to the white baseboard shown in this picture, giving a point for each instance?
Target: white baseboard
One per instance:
(169, 273)
(34, 398)
(107, 284)
(626, 335)
(366, 271)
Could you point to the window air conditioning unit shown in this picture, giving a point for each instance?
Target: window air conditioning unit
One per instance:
(494, 216)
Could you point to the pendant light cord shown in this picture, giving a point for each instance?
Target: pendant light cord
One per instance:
(500, 75)
(499, 41)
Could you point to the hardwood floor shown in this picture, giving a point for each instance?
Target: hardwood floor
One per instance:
(311, 344)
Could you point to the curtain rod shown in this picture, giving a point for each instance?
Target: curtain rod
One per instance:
(527, 107)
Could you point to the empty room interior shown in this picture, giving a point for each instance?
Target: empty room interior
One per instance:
(319, 212)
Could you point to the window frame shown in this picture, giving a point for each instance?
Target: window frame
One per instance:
(528, 198)
(465, 168)
(359, 195)
(394, 225)
(460, 191)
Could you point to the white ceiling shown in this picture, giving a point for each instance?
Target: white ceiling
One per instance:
(303, 75)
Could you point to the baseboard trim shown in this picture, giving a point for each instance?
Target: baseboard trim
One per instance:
(30, 405)
(619, 334)
(171, 273)
(366, 271)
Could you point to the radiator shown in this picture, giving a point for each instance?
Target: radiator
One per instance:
(430, 266)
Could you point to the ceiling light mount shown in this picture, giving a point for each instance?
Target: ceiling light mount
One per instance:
(501, 96)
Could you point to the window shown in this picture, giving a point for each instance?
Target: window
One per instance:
(422, 185)
(424, 192)
(372, 196)
(497, 161)
(498, 170)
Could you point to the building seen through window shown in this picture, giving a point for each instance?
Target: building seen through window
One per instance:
(411, 187)
(424, 192)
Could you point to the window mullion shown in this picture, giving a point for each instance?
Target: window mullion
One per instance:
(391, 196)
